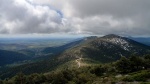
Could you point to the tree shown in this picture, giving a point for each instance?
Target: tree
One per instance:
(123, 65)
(147, 61)
(137, 63)
(98, 71)
(36, 78)
(20, 78)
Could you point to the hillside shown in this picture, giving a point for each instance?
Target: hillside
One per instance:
(106, 49)
(59, 49)
(50, 63)
(87, 51)
(109, 73)
(8, 57)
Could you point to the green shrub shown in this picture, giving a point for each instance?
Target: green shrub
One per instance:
(98, 71)
(139, 76)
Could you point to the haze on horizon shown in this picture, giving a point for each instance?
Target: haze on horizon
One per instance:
(74, 17)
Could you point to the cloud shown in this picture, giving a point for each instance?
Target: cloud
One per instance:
(22, 16)
(112, 16)
(75, 16)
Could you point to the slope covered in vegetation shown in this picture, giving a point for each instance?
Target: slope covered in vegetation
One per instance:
(125, 70)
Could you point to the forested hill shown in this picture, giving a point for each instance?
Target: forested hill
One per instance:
(8, 57)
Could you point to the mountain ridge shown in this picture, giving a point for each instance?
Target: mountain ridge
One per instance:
(104, 49)
(113, 44)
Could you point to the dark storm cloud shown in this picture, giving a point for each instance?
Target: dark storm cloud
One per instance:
(118, 8)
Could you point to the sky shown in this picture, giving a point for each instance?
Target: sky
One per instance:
(74, 17)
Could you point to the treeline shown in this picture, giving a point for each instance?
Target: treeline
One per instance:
(129, 69)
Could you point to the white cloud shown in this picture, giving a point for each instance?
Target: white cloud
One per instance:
(22, 16)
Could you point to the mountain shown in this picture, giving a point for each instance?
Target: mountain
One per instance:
(50, 63)
(8, 57)
(104, 49)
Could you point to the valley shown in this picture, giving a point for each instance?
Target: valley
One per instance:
(14, 52)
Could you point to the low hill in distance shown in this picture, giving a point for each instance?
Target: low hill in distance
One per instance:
(144, 40)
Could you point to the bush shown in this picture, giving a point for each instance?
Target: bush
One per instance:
(138, 76)
(98, 71)
(123, 65)
(132, 64)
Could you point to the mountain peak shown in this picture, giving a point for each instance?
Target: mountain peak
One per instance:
(112, 36)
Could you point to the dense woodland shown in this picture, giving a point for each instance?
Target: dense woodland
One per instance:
(134, 68)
